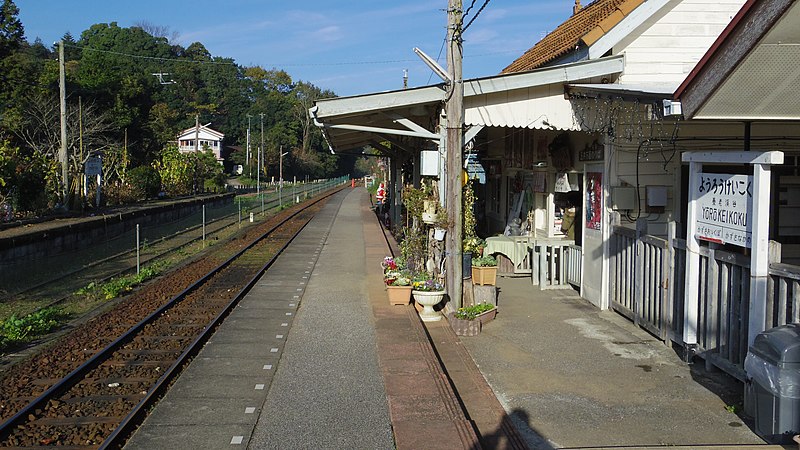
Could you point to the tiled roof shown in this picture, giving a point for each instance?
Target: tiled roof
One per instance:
(588, 25)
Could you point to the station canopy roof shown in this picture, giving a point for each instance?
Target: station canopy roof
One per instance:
(533, 99)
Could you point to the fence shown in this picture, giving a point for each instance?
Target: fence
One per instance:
(647, 286)
(552, 264)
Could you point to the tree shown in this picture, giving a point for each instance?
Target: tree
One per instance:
(12, 33)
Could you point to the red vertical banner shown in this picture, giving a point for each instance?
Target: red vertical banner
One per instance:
(594, 200)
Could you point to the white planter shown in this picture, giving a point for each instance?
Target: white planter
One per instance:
(428, 299)
(438, 234)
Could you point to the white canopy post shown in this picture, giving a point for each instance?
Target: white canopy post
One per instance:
(692, 261)
(759, 257)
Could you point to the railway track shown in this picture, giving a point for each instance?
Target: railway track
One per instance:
(90, 389)
(50, 287)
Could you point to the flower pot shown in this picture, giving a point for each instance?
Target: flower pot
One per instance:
(484, 275)
(463, 327)
(487, 316)
(428, 299)
(438, 234)
(399, 295)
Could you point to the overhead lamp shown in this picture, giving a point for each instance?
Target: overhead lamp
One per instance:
(435, 67)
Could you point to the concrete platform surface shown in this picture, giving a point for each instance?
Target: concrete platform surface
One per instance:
(572, 376)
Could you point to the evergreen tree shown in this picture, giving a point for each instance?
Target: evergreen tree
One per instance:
(12, 34)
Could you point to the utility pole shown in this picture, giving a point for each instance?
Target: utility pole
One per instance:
(454, 111)
(247, 155)
(62, 152)
(196, 132)
(260, 152)
(280, 178)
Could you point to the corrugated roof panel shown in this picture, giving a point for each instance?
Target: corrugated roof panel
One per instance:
(758, 87)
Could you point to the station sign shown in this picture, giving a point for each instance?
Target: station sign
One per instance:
(724, 208)
(475, 169)
(93, 166)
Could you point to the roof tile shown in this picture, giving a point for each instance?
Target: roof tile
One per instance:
(584, 26)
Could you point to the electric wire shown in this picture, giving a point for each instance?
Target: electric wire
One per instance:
(486, 2)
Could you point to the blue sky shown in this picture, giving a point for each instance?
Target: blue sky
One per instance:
(350, 47)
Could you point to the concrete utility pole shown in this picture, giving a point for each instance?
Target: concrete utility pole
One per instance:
(260, 152)
(62, 152)
(196, 132)
(280, 178)
(247, 155)
(454, 110)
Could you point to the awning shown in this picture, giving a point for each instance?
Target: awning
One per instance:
(409, 118)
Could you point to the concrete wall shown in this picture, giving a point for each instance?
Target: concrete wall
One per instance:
(58, 236)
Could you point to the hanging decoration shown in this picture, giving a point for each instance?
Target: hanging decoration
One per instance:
(561, 152)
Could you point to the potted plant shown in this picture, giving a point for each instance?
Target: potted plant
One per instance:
(399, 289)
(484, 271)
(428, 292)
(469, 320)
(464, 325)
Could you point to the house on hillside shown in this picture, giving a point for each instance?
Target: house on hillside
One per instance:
(199, 138)
(584, 129)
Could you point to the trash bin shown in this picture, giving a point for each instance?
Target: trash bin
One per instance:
(773, 391)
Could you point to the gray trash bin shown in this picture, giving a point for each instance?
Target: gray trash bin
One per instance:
(773, 393)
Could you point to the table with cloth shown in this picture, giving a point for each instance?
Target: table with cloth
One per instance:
(514, 249)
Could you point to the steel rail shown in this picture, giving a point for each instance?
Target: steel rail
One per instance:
(94, 361)
(124, 253)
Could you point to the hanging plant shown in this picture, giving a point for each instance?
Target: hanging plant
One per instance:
(469, 225)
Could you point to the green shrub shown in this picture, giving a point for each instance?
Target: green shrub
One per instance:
(145, 181)
(471, 312)
(484, 261)
(116, 286)
(20, 329)
(119, 194)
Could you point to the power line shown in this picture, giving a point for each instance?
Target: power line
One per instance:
(320, 64)
(466, 13)
(183, 60)
(444, 41)
(486, 2)
(151, 58)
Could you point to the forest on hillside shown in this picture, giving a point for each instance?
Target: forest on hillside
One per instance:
(118, 106)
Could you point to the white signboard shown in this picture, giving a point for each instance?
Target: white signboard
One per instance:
(94, 166)
(724, 208)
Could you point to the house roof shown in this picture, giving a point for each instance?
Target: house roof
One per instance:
(751, 71)
(586, 26)
(190, 132)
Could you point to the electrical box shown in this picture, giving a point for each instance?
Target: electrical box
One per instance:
(429, 163)
(623, 198)
(657, 196)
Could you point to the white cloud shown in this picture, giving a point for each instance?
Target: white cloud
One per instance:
(330, 33)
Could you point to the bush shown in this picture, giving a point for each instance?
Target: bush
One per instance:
(20, 329)
(119, 194)
(145, 181)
